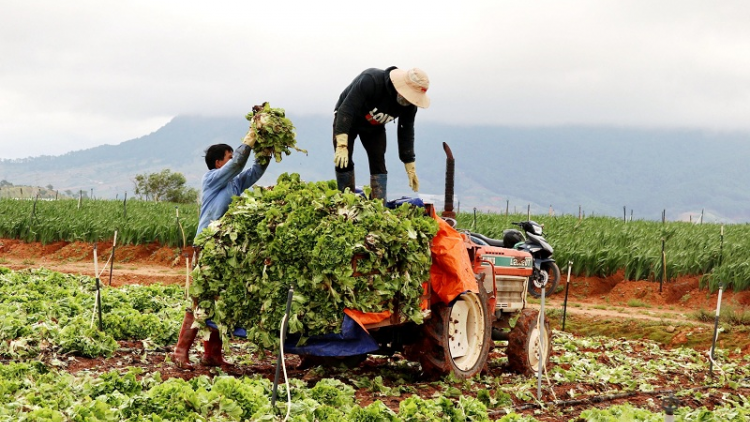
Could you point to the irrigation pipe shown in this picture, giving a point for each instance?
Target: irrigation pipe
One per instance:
(98, 304)
(596, 399)
(716, 332)
(280, 362)
(184, 254)
(567, 287)
(187, 276)
(179, 225)
(542, 349)
(718, 309)
(112, 258)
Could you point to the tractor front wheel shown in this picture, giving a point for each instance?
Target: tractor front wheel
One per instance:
(456, 338)
(524, 348)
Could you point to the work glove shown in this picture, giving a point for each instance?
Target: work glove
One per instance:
(411, 172)
(249, 138)
(341, 157)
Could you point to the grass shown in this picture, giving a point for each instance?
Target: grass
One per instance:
(728, 314)
(632, 329)
(637, 303)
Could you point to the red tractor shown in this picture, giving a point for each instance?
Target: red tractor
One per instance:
(474, 293)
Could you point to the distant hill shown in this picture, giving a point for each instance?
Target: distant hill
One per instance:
(598, 170)
(30, 192)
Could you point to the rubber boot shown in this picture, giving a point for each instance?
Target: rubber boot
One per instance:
(345, 180)
(378, 183)
(212, 350)
(180, 356)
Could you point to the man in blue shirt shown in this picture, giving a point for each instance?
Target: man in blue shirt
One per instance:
(225, 178)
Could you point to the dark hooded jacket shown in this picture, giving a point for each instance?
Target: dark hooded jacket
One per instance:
(368, 103)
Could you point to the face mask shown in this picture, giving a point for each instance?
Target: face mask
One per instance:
(402, 101)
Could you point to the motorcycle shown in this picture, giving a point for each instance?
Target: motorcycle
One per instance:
(546, 272)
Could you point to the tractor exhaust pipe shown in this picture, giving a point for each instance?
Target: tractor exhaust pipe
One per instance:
(450, 169)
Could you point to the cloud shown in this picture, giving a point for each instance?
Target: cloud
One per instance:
(79, 74)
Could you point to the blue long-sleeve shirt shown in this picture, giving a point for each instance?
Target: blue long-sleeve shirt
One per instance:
(219, 185)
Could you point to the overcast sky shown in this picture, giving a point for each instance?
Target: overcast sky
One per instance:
(81, 73)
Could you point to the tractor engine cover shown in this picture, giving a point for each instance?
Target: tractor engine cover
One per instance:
(512, 269)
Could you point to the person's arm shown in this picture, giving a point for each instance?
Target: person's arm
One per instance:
(405, 134)
(247, 178)
(224, 175)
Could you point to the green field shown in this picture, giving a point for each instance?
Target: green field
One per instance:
(601, 246)
(136, 221)
(47, 319)
(598, 246)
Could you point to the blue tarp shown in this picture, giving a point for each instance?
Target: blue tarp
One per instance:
(353, 340)
(404, 200)
(238, 332)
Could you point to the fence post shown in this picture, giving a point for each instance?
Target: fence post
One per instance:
(663, 264)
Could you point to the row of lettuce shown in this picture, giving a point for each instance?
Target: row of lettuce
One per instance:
(32, 392)
(599, 246)
(46, 318)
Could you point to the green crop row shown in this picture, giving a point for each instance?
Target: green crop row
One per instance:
(136, 221)
(48, 318)
(602, 246)
(596, 246)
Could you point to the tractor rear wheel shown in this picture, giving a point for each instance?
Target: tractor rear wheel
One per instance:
(456, 338)
(523, 344)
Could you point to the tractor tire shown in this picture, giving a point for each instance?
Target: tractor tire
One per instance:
(548, 277)
(457, 338)
(523, 344)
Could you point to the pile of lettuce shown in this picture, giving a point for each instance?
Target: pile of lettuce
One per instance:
(309, 237)
(274, 133)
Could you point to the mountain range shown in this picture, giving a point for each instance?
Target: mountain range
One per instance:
(612, 171)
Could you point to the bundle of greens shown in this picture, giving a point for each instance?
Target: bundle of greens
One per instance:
(274, 133)
(336, 250)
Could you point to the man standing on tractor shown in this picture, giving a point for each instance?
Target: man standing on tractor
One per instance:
(374, 98)
(225, 178)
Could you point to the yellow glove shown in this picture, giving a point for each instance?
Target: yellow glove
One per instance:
(341, 158)
(411, 172)
(249, 138)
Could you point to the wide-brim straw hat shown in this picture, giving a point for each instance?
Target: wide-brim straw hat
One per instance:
(412, 84)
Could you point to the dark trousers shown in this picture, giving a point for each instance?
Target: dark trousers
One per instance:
(374, 142)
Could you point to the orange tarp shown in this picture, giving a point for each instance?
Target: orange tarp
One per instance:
(450, 274)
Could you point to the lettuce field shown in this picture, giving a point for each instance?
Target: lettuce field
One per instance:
(57, 365)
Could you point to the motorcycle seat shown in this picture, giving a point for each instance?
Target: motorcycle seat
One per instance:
(490, 241)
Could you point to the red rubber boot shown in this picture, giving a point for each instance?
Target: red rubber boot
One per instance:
(180, 356)
(212, 355)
